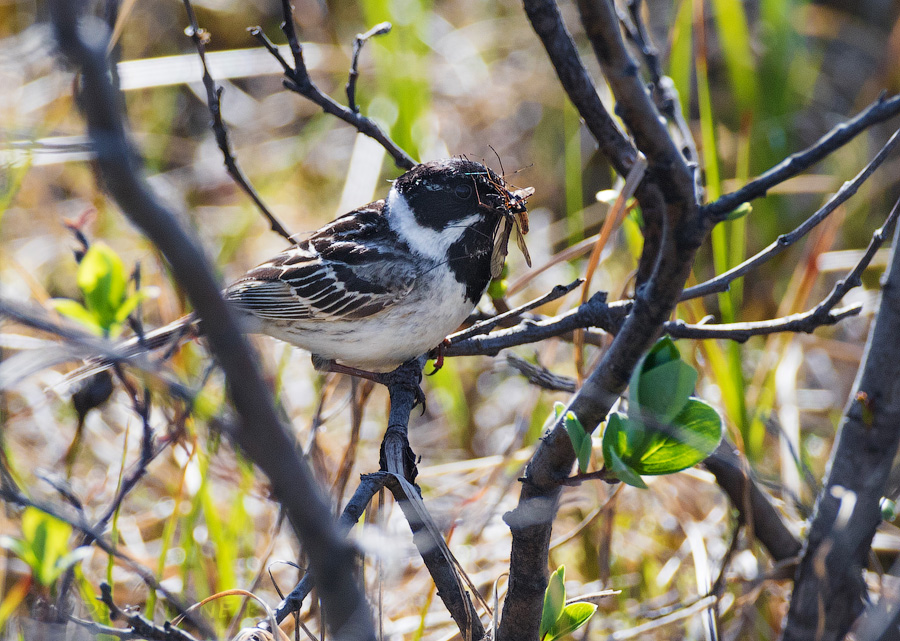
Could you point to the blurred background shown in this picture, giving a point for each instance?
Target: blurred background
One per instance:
(758, 81)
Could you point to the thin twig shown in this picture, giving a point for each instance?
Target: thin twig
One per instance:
(360, 40)
(723, 281)
(200, 37)
(879, 111)
(541, 376)
(297, 79)
(485, 326)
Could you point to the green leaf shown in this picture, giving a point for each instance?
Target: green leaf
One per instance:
(77, 312)
(624, 472)
(129, 305)
(581, 440)
(693, 436)
(44, 546)
(664, 390)
(662, 352)
(102, 279)
(573, 617)
(888, 509)
(558, 409)
(554, 601)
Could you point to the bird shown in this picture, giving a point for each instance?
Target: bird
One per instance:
(386, 282)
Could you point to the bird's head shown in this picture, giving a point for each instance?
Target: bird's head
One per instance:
(443, 203)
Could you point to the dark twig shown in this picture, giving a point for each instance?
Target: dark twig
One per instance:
(139, 627)
(297, 79)
(12, 495)
(369, 485)
(380, 29)
(805, 322)
(879, 111)
(575, 79)
(723, 281)
(200, 38)
(662, 88)
(633, 103)
(145, 629)
(260, 433)
(485, 326)
(541, 376)
(594, 313)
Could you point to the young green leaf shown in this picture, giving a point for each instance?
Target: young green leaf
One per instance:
(573, 617)
(691, 437)
(554, 601)
(102, 280)
(77, 312)
(624, 472)
(664, 390)
(581, 440)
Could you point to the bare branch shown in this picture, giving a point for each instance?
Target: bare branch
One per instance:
(722, 282)
(574, 78)
(879, 111)
(297, 79)
(633, 103)
(829, 591)
(214, 100)
(486, 326)
(360, 40)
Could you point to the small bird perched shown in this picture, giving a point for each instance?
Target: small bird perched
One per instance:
(383, 283)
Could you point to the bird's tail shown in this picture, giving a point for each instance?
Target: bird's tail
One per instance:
(165, 339)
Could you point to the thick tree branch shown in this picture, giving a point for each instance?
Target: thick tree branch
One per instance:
(879, 111)
(682, 233)
(260, 433)
(829, 591)
(574, 78)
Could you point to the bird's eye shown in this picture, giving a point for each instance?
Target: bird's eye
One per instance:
(463, 191)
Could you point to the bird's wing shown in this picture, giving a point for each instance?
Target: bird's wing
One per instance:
(351, 268)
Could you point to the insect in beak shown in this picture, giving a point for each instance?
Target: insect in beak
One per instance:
(520, 216)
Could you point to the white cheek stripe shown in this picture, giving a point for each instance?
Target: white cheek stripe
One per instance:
(428, 242)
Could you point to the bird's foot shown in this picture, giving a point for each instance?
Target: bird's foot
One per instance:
(408, 375)
(438, 354)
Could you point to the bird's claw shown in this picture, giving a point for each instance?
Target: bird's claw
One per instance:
(439, 356)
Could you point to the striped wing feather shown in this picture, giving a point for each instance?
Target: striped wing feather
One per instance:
(352, 268)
